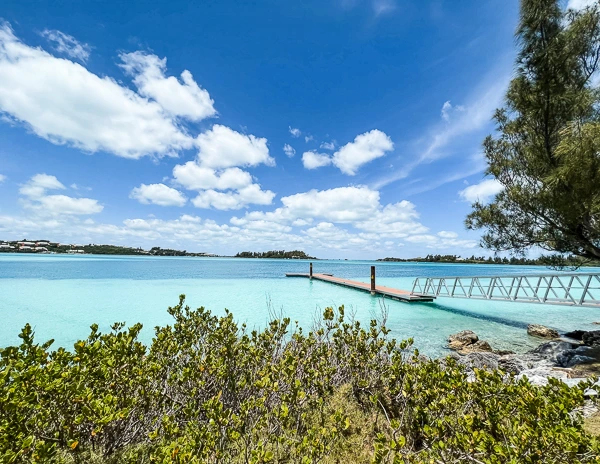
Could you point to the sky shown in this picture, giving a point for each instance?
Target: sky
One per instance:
(343, 128)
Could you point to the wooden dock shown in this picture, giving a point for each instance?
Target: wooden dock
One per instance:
(393, 293)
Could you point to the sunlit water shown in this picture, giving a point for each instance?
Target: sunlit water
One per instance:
(61, 296)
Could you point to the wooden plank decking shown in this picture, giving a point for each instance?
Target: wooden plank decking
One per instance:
(393, 293)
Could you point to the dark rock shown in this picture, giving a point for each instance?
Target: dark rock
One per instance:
(591, 338)
(579, 359)
(541, 331)
(575, 334)
(503, 352)
(570, 358)
(513, 364)
(550, 350)
(480, 360)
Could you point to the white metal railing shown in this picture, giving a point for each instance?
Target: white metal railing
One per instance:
(574, 289)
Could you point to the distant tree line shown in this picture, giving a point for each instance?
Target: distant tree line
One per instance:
(275, 254)
(570, 261)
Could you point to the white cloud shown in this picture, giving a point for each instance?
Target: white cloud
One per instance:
(381, 7)
(343, 204)
(365, 148)
(2, 178)
(158, 194)
(68, 45)
(194, 177)
(328, 146)
(481, 192)
(581, 4)
(186, 98)
(314, 160)
(63, 102)
(447, 234)
(251, 194)
(37, 199)
(222, 147)
(289, 150)
(308, 138)
(38, 184)
(448, 109)
(295, 131)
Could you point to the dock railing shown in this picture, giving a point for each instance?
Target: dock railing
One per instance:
(573, 289)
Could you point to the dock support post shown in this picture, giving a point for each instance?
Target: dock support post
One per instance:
(372, 280)
(310, 275)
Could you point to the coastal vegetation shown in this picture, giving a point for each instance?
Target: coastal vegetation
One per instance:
(45, 246)
(275, 254)
(207, 390)
(571, 261)
(546, 152)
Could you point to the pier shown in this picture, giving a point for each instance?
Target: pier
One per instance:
(393, 293)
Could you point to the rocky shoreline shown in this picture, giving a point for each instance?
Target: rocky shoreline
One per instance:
(571, 357)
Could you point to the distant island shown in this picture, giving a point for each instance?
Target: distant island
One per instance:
(275, 254)
(46, 246)
(574, 261)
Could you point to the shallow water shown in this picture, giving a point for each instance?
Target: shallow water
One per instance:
(62, 295)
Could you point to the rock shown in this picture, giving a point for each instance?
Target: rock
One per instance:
(570, 358)
(550, 350)
(541, 331)
(591, 338)
(575, 334)
(503, 352)
(540, 375)
(480, 360)
(513, 364)
(459, 340)
(477, 347)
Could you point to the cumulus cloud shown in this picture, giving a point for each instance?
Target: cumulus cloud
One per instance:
(481, 192)
(349, 158)
(216, 173)
(37, 199)
(328, 146)
(68, 45)
(314, 160)
(365, 148)
(289, 150)
(222, 147)
(183, 98)
(295, 131)
(158, 194)
(308, 138)
(251, 194)
(63, 102)
(2, 178)
(195, 177)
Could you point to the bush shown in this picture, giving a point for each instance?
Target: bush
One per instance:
(209, 391)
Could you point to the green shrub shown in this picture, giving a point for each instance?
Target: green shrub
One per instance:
(209, 391)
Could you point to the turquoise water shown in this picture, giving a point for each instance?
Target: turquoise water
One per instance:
(62, 295)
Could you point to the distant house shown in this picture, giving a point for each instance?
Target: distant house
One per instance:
(42, 243)
(40, 249)
(28, 244)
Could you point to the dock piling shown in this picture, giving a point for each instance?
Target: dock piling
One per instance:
(310, 275)
(372, 280)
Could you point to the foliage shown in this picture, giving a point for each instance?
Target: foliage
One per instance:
(209, 391)
(546, 154)
(572, 261)
(275, 254)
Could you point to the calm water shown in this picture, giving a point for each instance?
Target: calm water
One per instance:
(62, 295)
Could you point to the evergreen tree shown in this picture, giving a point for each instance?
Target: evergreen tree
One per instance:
(546, 152)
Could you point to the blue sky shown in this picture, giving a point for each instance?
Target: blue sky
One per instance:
(346, 128)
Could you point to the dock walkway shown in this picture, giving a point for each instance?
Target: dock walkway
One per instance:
(393, 293)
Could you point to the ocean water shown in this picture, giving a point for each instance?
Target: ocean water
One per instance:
(62, 295)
